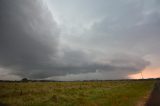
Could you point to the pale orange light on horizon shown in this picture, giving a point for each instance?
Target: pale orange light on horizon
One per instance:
(147, 73)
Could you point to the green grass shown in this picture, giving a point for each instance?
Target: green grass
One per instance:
(105, 93)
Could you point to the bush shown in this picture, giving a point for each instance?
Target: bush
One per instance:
(24, 80)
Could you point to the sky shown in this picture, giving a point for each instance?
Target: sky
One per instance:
(79, 39)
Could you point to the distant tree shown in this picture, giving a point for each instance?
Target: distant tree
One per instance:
(24, 80)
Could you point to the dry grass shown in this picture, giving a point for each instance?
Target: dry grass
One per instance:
(105, 93)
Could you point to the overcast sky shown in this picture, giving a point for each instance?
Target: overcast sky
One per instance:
(79, 39)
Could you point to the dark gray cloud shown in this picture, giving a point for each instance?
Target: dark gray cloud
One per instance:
(78, 65)
(28, 36)
(35, 44)
(78, 61)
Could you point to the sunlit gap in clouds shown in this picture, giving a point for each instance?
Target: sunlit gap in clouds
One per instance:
(147, 73)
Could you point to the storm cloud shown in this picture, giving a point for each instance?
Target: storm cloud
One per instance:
(28, 36)
(60, 40)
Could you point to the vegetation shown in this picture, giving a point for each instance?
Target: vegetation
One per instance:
(100, 93)
(24, 80)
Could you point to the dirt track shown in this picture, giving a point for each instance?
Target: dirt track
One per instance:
(154, 99)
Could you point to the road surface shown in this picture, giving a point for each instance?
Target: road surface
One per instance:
(154, 99)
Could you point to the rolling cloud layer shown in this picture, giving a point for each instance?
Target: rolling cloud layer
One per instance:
(41, 40)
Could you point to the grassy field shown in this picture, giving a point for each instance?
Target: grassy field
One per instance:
(105, 93)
